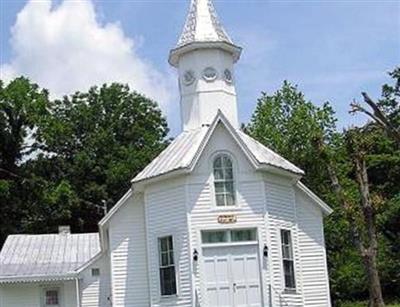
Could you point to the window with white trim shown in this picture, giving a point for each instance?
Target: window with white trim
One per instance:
(228, 236)
(223, 181)
(95, 272)
(167, 266)
(287, 259)
(52, 297)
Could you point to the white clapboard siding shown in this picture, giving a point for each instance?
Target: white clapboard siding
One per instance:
(69, 292)
(95, 290)
(312, 253)
(249, 215)
(166, 215)
(21, 295)
(281, 212)
(128, 255)
(31, 294)
(201, 204)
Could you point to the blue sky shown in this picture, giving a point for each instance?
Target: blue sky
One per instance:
(333, 50)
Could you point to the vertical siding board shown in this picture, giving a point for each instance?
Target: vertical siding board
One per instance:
(96, 290)
(249, 214)
(166, 214)
(312, 253)
(21, 295)
(128, 254)
(250, 211)
(30, 294)
(282, 215)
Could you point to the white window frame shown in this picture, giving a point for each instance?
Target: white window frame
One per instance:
(95, 272)
(229, 241)
(57, 288)
(287, 290)
(235, 205)
(159, 237)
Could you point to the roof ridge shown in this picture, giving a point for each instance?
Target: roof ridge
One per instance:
(175, 157)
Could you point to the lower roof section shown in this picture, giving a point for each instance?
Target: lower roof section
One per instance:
(46, 257)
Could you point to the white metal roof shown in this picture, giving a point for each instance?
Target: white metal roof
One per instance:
(266, 156)
(202, 25)
(49, 256)
(181, 153)
(178, 155)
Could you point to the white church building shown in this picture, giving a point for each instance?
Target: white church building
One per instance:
(216, 220)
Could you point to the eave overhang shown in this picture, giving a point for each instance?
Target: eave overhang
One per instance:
(37, 278)
(176, 53)
(324, 206)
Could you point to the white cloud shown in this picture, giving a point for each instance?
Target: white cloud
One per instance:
(64, 48)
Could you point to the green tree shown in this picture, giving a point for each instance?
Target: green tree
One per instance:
(95, 143)
(22, 105)
(372, 211)
(61, 160)
(287, 123)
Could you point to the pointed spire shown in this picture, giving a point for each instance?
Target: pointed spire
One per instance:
(202, 26)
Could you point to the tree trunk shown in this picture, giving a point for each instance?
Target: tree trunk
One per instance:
(375, 291)
(369, 249)
(370, 253)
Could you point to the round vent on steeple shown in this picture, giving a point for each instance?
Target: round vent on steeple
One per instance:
(228, 76)
(210, 74)
(188, 77)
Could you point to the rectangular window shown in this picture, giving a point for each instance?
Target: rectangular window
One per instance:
(243, 235)
(229, 236)
(95, 272)
(287, 258)
(217, 236)
(223, 181)
(167, 266)
(51, 297)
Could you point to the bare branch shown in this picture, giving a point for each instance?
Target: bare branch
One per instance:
(379, 116)
(356, 107)
(9, 173)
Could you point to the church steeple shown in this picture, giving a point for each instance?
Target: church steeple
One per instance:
(205, 56)
(203, 26)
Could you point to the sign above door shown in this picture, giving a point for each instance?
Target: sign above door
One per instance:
(227, 219)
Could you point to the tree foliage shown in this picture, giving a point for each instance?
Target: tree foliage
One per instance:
(289, 124)
(60, 160)
(83, 152)
(22, 106)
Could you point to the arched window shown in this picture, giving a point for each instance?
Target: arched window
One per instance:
(223, 181)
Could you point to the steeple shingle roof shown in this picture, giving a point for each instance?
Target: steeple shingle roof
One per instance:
(202, 25)
(203, 29)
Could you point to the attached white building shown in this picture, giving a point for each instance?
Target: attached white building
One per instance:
(217, 219)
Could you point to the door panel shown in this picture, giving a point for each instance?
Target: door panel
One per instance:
(232, 276)
(217, 280)
(246, 276)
